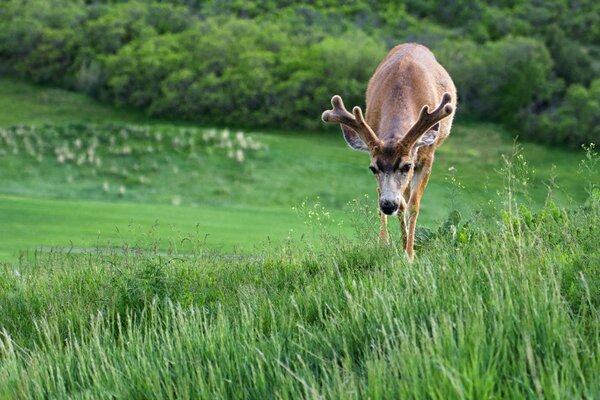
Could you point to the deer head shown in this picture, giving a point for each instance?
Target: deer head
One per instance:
(392, 162)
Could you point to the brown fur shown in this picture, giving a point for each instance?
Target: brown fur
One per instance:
(407, 79)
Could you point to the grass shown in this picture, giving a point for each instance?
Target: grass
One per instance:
(63, 224)
(23, 103)
(210, 188)
(140, 303)
(507, 314)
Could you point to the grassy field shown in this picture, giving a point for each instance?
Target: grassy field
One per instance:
(212, 195)
(508, 314)
(65, 224)
(170, 269)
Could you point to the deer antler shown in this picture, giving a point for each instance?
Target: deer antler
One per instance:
(339, 115)
(427, 120)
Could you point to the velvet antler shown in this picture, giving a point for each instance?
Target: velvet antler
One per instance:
(356, 121)
(427, 120)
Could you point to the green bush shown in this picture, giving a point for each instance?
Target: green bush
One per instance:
(276, 64)
(572, 61)
(310, 76)
(499, 80)
(40, 40)
(575, 121)
(137, 70)
(232, 71)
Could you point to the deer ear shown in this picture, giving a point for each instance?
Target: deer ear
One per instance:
(426, 139)
(353, 140)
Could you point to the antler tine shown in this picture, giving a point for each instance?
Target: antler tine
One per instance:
(338, 114)
(356, 121)
(426, 120)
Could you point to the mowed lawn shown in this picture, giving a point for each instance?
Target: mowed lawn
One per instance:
(75, 225)
(238, 207)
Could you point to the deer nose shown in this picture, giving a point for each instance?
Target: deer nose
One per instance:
(388, 207)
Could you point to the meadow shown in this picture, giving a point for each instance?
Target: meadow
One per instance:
(54, 196)
(506, 314)
(185, 272)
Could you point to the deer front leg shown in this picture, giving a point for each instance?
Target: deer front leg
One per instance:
(402, 212)
(383, 232)
(418, 185)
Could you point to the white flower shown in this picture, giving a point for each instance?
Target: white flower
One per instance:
(209, 135)
(239, 155)
(241, 140)
(90, 155)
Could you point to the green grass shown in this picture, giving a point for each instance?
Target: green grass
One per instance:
(507, 314)
(234, 294)
(23, 103)
(46, 223)
(298, 167)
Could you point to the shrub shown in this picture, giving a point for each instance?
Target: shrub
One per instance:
(276, 64)
(231, 71)
(137, 70)
(309, 77)
(499, 80)
(575, 121)
(572, 61)
(40, 40)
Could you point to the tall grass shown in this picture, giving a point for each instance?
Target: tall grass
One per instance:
(507, 312)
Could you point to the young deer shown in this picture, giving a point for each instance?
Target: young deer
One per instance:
(399, 133)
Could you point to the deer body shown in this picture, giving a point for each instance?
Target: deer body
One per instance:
(399, 133)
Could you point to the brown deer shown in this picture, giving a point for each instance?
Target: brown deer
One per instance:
(399, 133)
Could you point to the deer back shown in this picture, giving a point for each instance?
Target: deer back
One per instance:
(407, 79)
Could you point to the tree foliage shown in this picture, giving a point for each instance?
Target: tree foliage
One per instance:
(575, 120)
(276, 63)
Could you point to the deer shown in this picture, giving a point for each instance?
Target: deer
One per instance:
(399, 133)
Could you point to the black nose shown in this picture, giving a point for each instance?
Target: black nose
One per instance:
(388, 207)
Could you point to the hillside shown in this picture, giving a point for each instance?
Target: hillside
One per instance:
(511, 313)
(178, 192)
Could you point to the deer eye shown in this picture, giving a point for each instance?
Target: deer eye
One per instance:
(373, 169)
(405, 168)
